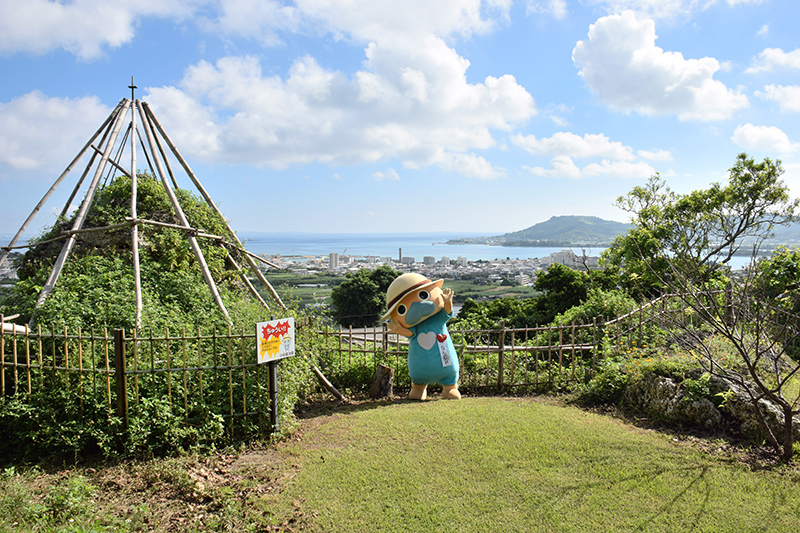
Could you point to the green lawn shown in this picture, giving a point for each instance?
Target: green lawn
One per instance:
(475, 465)
(494, 464)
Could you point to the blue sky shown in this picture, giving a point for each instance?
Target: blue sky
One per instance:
(383, 116)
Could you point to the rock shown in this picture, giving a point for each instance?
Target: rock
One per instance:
(740, 406)
(664, 399)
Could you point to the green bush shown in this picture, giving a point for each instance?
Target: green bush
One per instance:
(607, 386)
(57, 423)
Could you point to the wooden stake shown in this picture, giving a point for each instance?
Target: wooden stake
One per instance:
(163, 156)
(137, 273)
(7, 249)
(84, 209)
(211, 203)
(78, 186)
(198, 253)
(246, 281)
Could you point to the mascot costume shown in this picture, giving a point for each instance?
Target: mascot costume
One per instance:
(419, 309)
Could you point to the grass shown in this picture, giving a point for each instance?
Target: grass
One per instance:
(489, 464)
(479, 464)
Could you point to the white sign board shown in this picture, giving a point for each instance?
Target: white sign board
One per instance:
(275, 339)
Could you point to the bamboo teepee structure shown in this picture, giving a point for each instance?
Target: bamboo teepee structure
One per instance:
(105, 157)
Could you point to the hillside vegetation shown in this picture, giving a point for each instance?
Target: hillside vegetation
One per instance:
(96, 288)
(574, 230)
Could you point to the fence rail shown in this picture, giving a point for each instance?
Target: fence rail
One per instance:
(198, 374)
(491, 359)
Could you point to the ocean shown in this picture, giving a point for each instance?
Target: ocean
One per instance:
(416, 245)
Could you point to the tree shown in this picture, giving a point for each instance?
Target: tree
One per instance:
(689, 238)
(562, 288)
(702, 229)
(361, 298)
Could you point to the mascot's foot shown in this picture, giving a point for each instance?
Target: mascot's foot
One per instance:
(450, 392)
(418, 392)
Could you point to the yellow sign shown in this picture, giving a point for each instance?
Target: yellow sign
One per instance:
(275, 339)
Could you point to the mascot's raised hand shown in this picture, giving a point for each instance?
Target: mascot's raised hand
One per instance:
(419, 309)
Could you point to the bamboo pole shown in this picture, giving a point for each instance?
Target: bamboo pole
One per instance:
(254, 256)
(211, 203)
(164, 157)
(137, 273)
(67, 233)
(84, 209)
(246, 281)
(182, 217)
(196, 232)
(112, 162)
(7, 250)
(115, 161)
(85, 173)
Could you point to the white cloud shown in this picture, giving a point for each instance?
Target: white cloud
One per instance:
(565, 143)
(411, 102)
(787, 97)
(390, 174)
(619, 169)
(663, 9)
(767, 139)
(48, 131)
(622, 65)
(655, 155)
(563, 166)
(659, 9)
(255, 19)
(82, 27)
(763, 31)
(555, 8)
(389, 21)
(470, 166)
(771, 58)
(87, 27)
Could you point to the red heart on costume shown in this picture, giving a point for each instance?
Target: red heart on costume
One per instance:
(441, 338)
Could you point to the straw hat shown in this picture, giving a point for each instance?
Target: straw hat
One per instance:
(403, 285)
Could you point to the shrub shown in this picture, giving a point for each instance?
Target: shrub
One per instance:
(607, 386)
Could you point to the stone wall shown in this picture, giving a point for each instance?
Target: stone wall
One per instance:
(668, 400)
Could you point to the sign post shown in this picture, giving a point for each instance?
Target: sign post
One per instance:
(275, 341)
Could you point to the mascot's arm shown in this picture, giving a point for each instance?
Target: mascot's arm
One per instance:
(447, 295)
(395, 327)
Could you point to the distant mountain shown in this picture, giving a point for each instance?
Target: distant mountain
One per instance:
(565, 230)
(586, 230)
(786, 235)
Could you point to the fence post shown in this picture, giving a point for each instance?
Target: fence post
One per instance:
(501, 342)
(120, 376)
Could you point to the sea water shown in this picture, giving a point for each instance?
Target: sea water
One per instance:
(416, 245)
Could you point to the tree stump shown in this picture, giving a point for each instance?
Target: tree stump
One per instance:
(383, 384)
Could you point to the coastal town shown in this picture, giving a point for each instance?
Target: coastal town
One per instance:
(520, 271)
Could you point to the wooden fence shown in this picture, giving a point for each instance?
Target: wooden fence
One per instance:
(199, 374)
(196, 374)
(491, 360)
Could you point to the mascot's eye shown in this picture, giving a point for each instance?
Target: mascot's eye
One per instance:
(423, 295)
(401, 309)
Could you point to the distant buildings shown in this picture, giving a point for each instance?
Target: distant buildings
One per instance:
(570, 259)
(522, 271)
